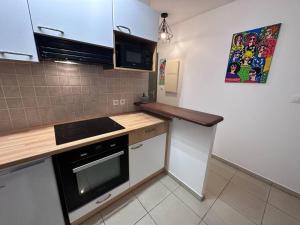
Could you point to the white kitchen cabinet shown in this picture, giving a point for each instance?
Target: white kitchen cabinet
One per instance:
(136, 18)
(29, 195)
(146, 158)
(16, 39)
(88, 21)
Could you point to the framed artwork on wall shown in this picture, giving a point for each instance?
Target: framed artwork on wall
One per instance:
(162, 71)
(251, 55)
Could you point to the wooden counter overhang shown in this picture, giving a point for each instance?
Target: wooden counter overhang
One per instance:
(204, 119)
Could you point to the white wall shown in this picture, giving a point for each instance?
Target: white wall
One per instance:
(261, 130)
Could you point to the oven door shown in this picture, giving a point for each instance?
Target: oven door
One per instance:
(83, 180)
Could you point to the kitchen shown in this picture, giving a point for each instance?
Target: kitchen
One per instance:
(86, 139)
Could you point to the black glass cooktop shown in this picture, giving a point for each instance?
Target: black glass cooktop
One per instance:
(69, 132)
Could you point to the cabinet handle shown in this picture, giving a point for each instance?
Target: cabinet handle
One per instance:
(136, 147)
(99, 202)
(49, 28)
(16, 53)
(2, 186)
(127, 28)
(150, 130)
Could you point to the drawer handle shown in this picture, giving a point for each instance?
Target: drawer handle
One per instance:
(127, 28)
(15, 53)
(150, 130)
(99, 202)
(49, 28)
(136, 147)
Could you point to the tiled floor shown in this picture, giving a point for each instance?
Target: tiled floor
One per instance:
(232, 198)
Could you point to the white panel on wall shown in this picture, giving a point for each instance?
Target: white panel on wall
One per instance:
(261, 126)
(171, 77)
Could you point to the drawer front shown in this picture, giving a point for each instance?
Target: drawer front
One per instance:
(147, 133)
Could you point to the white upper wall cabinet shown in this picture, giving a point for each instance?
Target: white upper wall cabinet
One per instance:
(16, 39)
(136, 18)
(88, 21)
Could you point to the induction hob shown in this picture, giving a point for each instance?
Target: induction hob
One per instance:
(69, 132)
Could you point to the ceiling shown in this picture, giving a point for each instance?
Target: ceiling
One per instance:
(180, 10)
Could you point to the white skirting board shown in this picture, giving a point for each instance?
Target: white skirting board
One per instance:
(190, 146)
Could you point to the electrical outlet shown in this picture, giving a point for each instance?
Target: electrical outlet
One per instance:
(115, 102)
(122, 102)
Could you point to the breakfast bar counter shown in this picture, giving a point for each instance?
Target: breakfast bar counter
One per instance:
(191, 138)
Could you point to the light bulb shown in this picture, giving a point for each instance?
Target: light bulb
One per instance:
(163, 35)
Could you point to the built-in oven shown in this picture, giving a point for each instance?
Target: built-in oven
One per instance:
(91, 171)
(134, 53)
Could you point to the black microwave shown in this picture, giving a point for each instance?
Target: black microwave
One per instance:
(134, 53)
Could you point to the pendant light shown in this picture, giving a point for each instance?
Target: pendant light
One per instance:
(165, 31)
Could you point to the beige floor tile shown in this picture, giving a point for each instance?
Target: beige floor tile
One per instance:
(256, 187)
(221, 168)
(94, 220)
(199, 207)
(146, 220)
(173, 212)
(274, 216)
(223, 214)
(126, 211)
(151, 193)
(245, 203)
(169, 182)
(285, 202)
(215, 183)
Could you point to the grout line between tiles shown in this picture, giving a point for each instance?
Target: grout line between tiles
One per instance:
(262, 219)
(145, 210)
(218, 197)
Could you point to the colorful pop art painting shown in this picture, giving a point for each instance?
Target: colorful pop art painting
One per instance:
(251, 55)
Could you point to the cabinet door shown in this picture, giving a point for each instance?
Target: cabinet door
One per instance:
(146, 158)
(136, 18)
(29, 195)
(88, 21)
(16, 39)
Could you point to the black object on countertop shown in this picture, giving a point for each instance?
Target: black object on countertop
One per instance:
(69, 132)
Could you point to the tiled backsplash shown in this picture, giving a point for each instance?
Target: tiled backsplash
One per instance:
(37, 94)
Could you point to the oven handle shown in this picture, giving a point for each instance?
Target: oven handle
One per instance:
(96, 162)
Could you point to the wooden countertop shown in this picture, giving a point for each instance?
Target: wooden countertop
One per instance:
(34, 144)
(193, 116)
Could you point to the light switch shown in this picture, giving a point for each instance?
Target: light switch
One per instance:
(295, 99)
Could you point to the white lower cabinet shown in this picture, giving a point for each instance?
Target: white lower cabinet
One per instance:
(29, 195)
(146, 158)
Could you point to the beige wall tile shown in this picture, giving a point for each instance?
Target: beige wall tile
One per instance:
(41, 91)
(25, 80)
(11, 91)
(14, 103)
(61, 93)
(7, 68)
(4, 115)
(5, 125)
(27, 91)
(3, 104)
